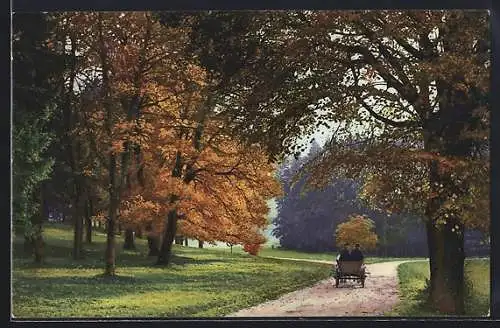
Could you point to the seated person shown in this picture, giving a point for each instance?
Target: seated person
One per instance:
(356, 254)
(344, 254)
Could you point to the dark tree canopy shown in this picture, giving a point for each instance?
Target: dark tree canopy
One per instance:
(36, 89)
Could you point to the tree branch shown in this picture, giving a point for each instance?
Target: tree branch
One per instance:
(400, 124)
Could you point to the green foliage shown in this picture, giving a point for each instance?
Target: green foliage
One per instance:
(36, 76)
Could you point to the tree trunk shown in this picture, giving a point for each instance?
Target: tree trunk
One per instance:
(79, 205)
(446, 256)
(129, 239)
(38, 244)
(111, 222)
(168, 238)
(78, 228)
(73, 153)
(200, 243)
(28, 246)
(88, 221)
(138, 232)
(37, 237)
(186, 243)
(446, 253)
(110, 242)
(178, 240)
(153, 243)
(171, 225)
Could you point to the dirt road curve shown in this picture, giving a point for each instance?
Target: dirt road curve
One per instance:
(323, 299)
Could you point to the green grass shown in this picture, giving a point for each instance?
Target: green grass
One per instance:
(284, 253)
(412, 277)
(199, 283)
(327, 256)
(292, 254)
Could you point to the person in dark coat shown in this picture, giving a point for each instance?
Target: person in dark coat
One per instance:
(356, 254)
(344, 254)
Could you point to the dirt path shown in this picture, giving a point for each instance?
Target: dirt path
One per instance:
(323, 299)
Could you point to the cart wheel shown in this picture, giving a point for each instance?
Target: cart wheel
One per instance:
(337, 282)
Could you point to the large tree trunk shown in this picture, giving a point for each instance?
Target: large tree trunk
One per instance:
(446, 259)
(129, 239)
(168, 238)
(186, 243)
(446, 252)
(200, 243)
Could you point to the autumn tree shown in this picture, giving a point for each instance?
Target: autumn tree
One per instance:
(125, 70)
(220, 67)
(410, 89)
(358, 229)
(423, 83)
(226, 198)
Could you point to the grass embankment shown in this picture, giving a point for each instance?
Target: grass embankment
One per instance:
(199, 283)
(412, 281)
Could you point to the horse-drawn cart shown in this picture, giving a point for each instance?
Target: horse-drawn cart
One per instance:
(349, 270)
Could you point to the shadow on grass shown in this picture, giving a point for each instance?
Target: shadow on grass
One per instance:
(54, 250)
(57, 256)
(85, 289)
(75, 280)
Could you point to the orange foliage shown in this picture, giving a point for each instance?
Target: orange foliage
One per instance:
(226, 201)
(155, 100)
(357, 230)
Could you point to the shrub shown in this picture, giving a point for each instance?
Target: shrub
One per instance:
(252, 249)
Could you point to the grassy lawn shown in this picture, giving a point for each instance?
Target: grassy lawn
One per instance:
(412, 278)
(268, 252)
(285, 253)
(199, 283)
